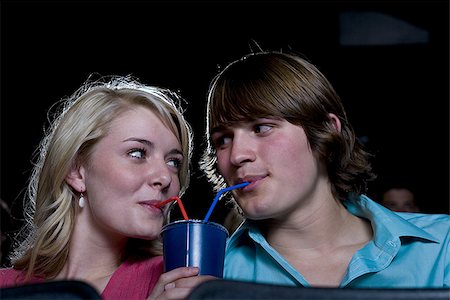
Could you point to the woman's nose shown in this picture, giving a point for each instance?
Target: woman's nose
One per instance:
(159, 175)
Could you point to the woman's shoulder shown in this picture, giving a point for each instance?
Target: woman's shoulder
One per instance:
(147, 264)
(135, 269)
(11, 277)
(14, 277)
(134, 279)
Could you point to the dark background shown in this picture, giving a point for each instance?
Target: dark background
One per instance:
(396, 92)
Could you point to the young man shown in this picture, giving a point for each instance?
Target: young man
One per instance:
(275, 121)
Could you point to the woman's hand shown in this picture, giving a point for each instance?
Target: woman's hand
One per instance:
(178, 283)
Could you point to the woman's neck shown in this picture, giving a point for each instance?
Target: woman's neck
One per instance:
(93, 256)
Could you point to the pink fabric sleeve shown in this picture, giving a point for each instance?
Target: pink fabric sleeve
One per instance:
(134, 279)
(12, 277)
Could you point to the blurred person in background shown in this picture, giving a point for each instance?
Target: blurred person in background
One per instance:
(399, 198)
(5, 225)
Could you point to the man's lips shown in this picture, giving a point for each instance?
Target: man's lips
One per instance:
(252, 180)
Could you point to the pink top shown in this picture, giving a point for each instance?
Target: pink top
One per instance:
(132, 280)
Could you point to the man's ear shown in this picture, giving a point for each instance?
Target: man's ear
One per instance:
(75, 178)
(335, 122)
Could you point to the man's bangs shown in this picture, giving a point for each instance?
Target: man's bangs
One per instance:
(242, 106)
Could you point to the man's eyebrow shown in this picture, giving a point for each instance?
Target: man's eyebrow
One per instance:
(218, 128)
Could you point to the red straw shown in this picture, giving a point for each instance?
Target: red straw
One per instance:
(175, 198)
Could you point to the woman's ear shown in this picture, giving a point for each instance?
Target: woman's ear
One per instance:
(335, 122)
(75, 178)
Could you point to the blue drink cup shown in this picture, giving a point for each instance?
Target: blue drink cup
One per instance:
(195, 243)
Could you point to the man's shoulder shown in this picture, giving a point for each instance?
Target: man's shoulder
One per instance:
(427, 220)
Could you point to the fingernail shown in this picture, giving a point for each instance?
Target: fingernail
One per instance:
(169, 286)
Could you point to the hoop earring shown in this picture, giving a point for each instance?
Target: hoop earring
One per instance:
(81, 201)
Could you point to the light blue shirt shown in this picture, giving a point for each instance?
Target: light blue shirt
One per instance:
(407, 250)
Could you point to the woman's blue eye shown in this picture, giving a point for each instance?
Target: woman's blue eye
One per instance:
(137, 153)
(175, 163)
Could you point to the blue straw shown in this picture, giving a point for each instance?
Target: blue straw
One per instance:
(216, 199)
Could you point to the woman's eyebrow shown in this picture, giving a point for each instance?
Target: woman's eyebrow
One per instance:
(139, 140)
(176, 151)
(150, 145)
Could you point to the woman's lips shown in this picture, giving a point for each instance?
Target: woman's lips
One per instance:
(151, 205)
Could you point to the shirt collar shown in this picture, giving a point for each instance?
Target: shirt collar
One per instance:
(386, 224)
(384, 221)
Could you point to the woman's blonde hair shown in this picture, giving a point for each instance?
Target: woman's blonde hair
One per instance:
(80, 122)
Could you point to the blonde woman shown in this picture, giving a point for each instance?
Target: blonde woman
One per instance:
(115, 149)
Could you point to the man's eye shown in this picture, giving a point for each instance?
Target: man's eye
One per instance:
(137, 153)
(261, 128)
(221, 141)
